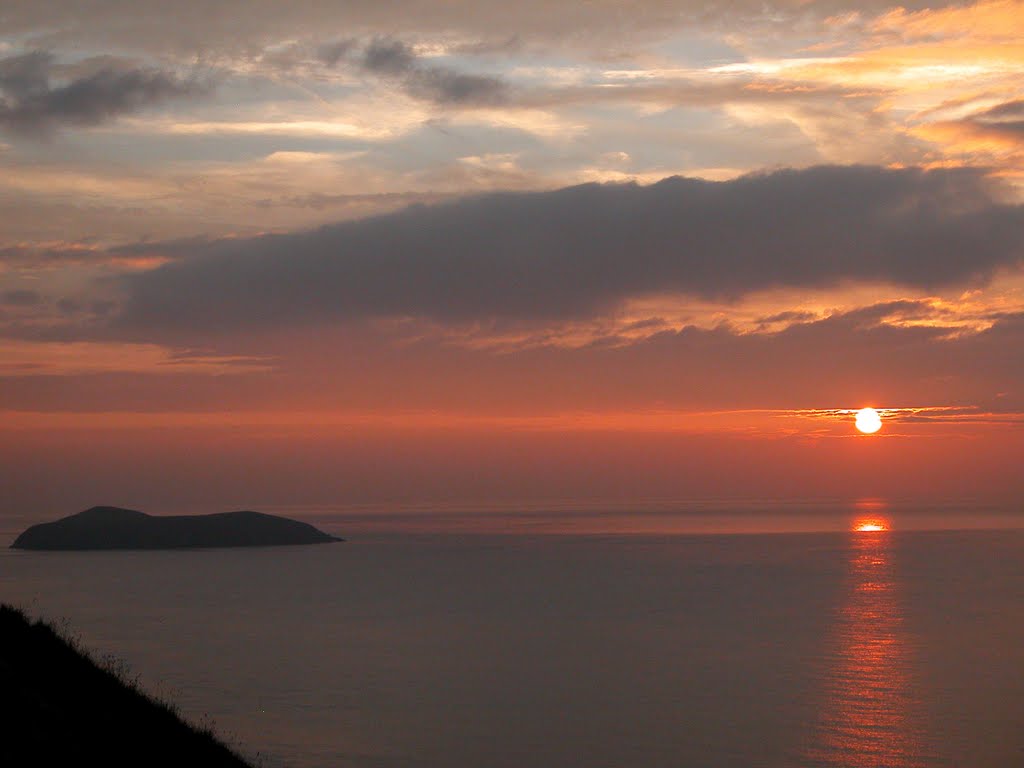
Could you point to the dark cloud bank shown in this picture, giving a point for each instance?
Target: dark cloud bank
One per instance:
(580, 251)
(31, 103)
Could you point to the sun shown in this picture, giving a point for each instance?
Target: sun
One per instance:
(870, 526)
(868, 421)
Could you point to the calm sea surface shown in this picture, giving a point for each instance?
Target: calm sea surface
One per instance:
(894, 648)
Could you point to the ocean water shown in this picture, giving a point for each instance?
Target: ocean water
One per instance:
(465, 650)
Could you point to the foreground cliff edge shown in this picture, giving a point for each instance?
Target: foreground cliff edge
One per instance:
(116, 528)
(60, 708)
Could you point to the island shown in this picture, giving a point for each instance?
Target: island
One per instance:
(60, 707)
(117, 528)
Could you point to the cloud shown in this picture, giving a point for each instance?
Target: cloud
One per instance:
(841, 361)
(20, 298)
(445, 86)
(400, 62)
(1012, 110)
(994, 21)
(332, 53)
(993, 136)
(389, 57)
(581, 251)
(30, 102)
(1005, 120)
(441, 85)
(27, 358)
(25, 257)
(192, 25)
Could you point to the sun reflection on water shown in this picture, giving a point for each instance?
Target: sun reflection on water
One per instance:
(869, 713)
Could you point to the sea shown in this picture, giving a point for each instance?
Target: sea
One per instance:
(863, 636)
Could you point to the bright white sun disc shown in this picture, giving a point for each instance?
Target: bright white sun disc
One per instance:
(868, 420)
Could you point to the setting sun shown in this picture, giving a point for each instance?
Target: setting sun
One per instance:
(870, 525)
(868, 421)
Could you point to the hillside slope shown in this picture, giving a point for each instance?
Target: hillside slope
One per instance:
(59, 708)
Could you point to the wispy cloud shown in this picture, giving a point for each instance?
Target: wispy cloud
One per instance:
(395, 59)
(24, 358)
(925, 414)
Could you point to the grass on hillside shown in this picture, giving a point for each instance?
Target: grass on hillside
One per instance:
(59, 706)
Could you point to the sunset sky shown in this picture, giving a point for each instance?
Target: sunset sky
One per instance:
(258, 253)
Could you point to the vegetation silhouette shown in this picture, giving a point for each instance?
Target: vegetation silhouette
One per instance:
(60, 707)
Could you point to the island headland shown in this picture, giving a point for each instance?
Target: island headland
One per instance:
(117, 528)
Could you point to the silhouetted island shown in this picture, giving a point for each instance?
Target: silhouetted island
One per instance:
(59, 708)
(116, 528)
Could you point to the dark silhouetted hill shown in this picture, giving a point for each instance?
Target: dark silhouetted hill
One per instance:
(58, 708)
(116, 528)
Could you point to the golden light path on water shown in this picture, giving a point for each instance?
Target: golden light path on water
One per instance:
(869, 715)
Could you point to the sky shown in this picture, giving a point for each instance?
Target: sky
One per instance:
(260, 254)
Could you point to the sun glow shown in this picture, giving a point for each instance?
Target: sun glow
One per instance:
(870, 525)
(868, 421)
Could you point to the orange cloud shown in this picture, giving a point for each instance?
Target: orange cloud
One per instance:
(991, 21)
(29, 358)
